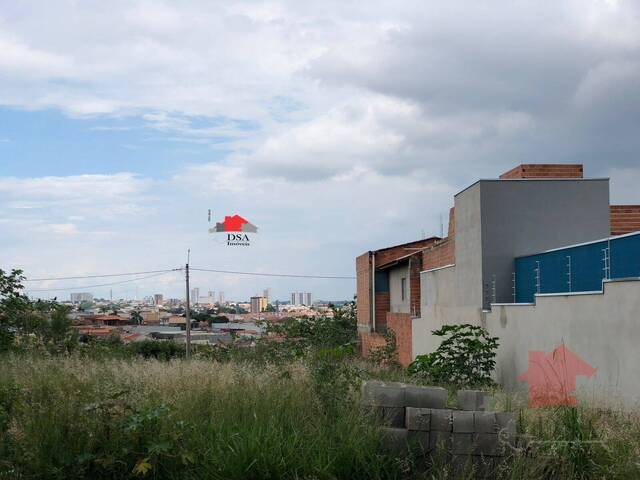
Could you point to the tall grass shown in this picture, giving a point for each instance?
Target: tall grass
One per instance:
(73, 418)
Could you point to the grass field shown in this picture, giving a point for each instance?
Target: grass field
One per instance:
(73, 417)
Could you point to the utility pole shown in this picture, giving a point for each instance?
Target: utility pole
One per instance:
(187, 309)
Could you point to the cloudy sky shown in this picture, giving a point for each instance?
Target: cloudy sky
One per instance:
(335, 127)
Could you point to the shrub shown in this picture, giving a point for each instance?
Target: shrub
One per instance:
(466, 357)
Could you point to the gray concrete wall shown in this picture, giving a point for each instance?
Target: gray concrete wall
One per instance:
(603, 329)
(468, 248)
(395, 290)
(521, 217)
(439, 306)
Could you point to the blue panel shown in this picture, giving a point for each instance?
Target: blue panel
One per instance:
(382, 282)
(587, 267)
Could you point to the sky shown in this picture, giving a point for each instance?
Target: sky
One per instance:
(334, 127)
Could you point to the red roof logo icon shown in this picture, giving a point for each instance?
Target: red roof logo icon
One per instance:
(552, 377)
(235, 223)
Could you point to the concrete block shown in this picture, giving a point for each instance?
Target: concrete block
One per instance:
(394, 438)
(472, 399)
(485, 422)
(441, 420)
(390, 416)
(463, 422)
(419, 441)
(382, 394)
(418, 418)
(487, 444)
(463, 444)
(426, 397)
(440, 440)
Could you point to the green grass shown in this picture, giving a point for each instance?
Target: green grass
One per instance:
(80, 417)
(73, 418)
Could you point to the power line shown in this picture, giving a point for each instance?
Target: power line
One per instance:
(289, 275)
(100, 276)
(103, 284)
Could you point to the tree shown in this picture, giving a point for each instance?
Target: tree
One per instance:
(14, 306)
(136, 317)
(466, 357)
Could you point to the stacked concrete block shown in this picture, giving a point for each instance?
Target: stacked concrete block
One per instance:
(469, 435)
(473, 400)
(386, 401)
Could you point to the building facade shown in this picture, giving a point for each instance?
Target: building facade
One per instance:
(509, 244)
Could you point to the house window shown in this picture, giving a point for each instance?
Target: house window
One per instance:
(403, 288)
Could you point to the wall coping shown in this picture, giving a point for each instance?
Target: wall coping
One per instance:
(438, 268)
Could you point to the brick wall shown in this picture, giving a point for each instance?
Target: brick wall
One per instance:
(624, 219)
(387, 255)
(383, 305)
(363, 290)
(400, 323)
(369, 341)
(415, 266)
(440, 255)
(544, 170)
(443, 252)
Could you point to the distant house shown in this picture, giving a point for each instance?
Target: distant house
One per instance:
(112, 320)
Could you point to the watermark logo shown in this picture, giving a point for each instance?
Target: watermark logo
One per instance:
(552, 377)
(236, 229)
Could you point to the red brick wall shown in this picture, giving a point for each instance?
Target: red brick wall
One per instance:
(383, 305)
(415, 266)
(363, 289)
(624, 219)
(387, 255)
(369, 341)
(545, 170)
(440, 255)
(400, 323)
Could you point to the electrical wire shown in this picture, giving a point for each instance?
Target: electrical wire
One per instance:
(289, 275)
(100, 276)
(102, 284)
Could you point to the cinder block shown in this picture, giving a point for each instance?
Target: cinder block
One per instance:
(472, 400)
(394, 438)
(419, 441)
(390, 416)
(418, 418)
(441, 420)
(485, 422)
(382, 394)
(426, 397)
(463, 444)
(487, 444)
(440, 440)
(463, 422)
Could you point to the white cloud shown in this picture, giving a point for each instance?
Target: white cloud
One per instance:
(348, 126)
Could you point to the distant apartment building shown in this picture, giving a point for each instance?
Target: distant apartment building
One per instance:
(208, 300)
(81, 297)
(158, 299)
(195, 295)
(266, 293)
(301, 298)
(221, 298)
(258, 304)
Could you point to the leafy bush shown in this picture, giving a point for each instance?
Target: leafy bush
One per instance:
(466, 357)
